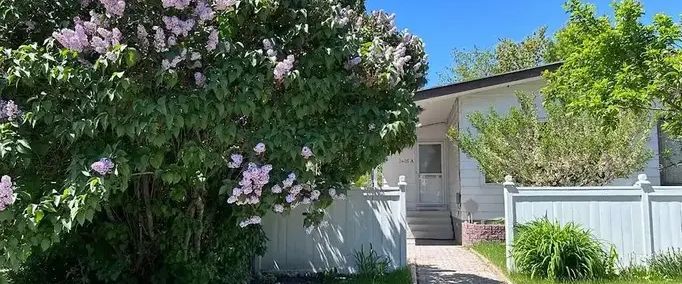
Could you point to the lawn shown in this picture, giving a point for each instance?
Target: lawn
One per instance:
(494, 251)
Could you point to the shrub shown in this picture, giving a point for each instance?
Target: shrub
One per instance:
(667, 264)
(546, 249)
(560, 150)
(145, 140)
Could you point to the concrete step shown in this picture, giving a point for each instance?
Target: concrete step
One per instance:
(430, 225)
(433, 235)
(414, 213)
(428, 220)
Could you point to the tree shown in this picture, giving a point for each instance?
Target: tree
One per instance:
(144, 140)
(622, 64)
(559, 150)
(507, 56)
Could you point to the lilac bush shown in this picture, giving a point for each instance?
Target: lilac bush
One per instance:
(210, 114)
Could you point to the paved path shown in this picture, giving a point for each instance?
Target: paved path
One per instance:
(440, 262)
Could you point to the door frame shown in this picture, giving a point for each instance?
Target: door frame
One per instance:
(443, 167)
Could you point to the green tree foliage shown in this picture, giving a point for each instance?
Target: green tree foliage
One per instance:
(611, 65)
(556, 150)
(151, 136)
(506, 56)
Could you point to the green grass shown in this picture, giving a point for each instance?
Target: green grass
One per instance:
(494, 252)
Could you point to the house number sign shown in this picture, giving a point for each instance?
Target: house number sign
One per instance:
(406, 161)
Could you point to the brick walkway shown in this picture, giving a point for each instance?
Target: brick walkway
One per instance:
(440, 262)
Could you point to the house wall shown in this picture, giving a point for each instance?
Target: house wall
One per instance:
(482, 201)
(405, 163)
(479, 200)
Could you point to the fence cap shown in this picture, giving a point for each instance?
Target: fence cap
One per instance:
(401, 180)
(642, 177)
(508, 180)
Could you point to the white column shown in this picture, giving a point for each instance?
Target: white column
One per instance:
(647, 229)
(509, 218)
(403, 220)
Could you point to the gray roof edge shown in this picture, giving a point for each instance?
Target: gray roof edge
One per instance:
(485, 82)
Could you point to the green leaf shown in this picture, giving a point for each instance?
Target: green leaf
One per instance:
(156, 160)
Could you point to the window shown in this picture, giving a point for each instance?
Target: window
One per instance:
(430, 159)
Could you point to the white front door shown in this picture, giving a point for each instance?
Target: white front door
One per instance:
(430, 170)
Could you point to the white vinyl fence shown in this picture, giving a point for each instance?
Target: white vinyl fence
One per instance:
(375, 217)
(639, 220)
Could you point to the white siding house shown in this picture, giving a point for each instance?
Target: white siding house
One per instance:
(445, 186)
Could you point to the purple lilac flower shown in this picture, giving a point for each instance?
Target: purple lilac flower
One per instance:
(177, 4)
(232, 199)
(306, 152)
(276, 189)
(103, 167)
(9, 111)
(290, 198)
(237, 191)
(195, 56)
(290, 180)
(142, 36)
(236, 161)
(283, 68)
(178, 27)
(159, 39)
(212, 42)
(296, 189)
(85, 2)
(260, 148)
(204, 12)
(306, 200)
(6, 192)
(278, 208)
(225, 5)
(315, 194)
(199, 79)
(75, 39)
(114, 7)
(254, 178)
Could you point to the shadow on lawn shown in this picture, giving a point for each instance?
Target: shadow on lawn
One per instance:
(432, 274)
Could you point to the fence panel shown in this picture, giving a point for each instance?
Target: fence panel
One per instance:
(375, 217)
(637, 220)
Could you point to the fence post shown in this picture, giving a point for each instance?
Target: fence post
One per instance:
(403, 221)
(509, 220)
(645, 186)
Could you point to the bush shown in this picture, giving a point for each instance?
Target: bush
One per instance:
(143, 141)
(546, 249)
(563, 149)
(667, 264)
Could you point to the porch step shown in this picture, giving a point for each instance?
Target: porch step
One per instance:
(430, 225)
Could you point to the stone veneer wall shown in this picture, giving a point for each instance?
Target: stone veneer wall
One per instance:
(474, 233)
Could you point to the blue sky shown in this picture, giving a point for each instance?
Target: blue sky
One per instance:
(448, 24)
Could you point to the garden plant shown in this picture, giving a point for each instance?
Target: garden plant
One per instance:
(144, 140)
